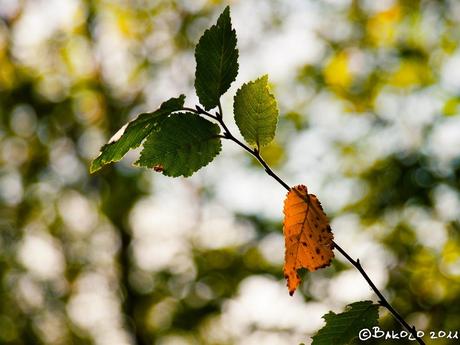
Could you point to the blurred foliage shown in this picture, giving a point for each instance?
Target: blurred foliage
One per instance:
(70, 271)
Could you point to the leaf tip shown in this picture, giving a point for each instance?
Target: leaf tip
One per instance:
(226, 12)
(94, 167)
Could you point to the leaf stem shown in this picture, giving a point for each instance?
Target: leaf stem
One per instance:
(254, 152)
(356, 263)
(220, 114)
(190, 109)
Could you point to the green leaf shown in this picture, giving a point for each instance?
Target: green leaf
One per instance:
(342, 328)
(256, 112)
(135, 132)
(216, 61)
(185, 143)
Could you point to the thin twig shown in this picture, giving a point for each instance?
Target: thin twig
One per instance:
(383, 301)
(255, 152)
(189, 109)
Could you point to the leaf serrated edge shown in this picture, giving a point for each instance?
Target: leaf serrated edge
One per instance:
(348, 308)
(138, 164)
(225, 13)
(96, 165)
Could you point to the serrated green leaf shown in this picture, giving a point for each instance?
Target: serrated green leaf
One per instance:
(341, 328)
(134, 133)
(256, 112)
(185, 143)
(216, 61)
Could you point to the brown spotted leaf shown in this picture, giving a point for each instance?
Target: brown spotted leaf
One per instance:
(307, 235)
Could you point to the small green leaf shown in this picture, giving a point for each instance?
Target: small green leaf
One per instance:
(185, 143)
(256, 112)
(135, 132)
(342, 328)
(216, 61)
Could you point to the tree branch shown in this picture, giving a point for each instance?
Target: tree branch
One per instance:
(255, 152)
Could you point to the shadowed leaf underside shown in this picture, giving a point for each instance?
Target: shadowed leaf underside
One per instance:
(341, 328)
(132, 135)
(216, 57)
(184, 144)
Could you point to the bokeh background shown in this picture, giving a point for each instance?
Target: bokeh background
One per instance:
(369, 93)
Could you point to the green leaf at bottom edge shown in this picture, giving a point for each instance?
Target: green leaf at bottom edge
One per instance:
(341, 328)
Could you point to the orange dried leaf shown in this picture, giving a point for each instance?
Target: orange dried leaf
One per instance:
(307, 235)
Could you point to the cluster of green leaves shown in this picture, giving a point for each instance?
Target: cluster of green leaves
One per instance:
(178, 141)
